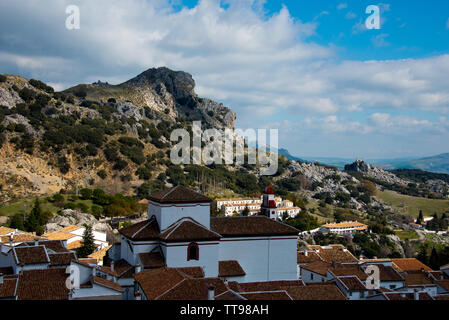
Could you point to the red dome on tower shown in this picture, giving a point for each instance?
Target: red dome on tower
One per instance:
(268, 190)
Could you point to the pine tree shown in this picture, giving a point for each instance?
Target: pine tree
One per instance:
(88, 243)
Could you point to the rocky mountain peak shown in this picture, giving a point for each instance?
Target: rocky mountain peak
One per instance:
(358, 166)
(179, 84)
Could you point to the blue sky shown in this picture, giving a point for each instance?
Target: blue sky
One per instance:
(308, 68)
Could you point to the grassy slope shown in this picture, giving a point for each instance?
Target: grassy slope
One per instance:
(11, 209)
(408, 205)
(406, 234)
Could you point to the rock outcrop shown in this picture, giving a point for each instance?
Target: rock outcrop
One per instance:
(375, 172)
(73, 217)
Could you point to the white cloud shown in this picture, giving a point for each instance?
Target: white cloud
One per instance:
(342, 6)
(350, 15)
(379, 40)
(258, 65)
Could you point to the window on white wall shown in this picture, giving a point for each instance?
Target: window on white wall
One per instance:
(193, 252)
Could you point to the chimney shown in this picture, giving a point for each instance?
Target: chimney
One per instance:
(94, 273)
(138, 295)
(138, 268)
(11, 238)
(112, 266)
(211, 293)
(1, 278)
(416, 293)
(334, 264)
(306, 253)
(36, 241)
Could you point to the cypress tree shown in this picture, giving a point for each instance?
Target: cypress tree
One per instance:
(245, 211)
(88, 246)
(420, 218)
(434, 261)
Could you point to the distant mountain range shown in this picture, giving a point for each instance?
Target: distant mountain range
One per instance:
(438, 163)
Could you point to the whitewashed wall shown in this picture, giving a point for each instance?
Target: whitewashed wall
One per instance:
(262, 258)
(176, 256)
(167, 214)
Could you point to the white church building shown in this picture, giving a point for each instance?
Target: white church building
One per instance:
(180, 233)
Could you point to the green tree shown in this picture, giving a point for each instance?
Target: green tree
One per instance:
(420, 218)
(88, 246)
(434, 261)
(86, 193)
(17, 222)
(37, 219)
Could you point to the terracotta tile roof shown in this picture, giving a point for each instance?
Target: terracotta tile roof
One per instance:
(337, 254)
(311, 257)
(229, 295)
(409, 264)
(387, 273)
(87, 260)
(319, 267)
(61, 259)
(416, 278)
(106, 283)
(8, 288)
(348, 270)
(439, 275)
(194, 289)
(187, 229)
(145, 230)
(69, 228)
(250, 226)
(230, 268)
(442, 297)
(268, 295)
(75, 245)
(346, 224)
(194, 272)
(264, 285)
(122, 269)
(156, 282)
(178, 194)
(54, 245)
(444, 284)
(406, 296)
(151, 260)
(316, 292)
(30, 255)
(5, 230)
(20, 237)
(43, 284)
(352, 283)
(100, 253)
(59, 235)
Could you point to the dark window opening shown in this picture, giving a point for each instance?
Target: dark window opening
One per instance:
(193, 252)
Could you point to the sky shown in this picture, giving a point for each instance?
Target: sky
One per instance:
(311, 69)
